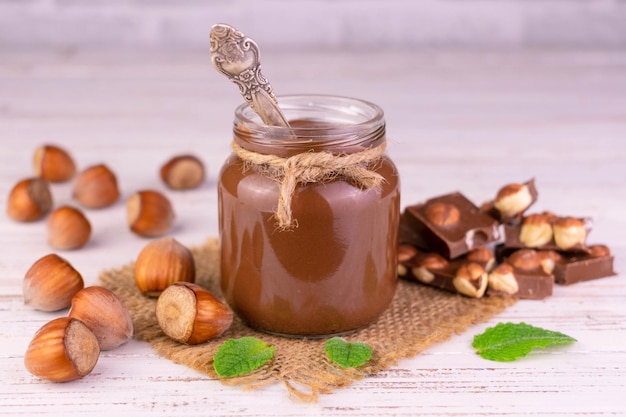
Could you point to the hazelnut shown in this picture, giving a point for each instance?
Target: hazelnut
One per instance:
(443, 214)
(29, 200)
(183, 172)
(548, 260)
(502, 279)
(550, 216)
(423, 265)
(96, 187)
(63, 350)
(526, 259)
(432, 261)
(486, 207)
(189, 313)
(149, 213)
(68, 228)
(422, 274)
(569, 232)
(105, 315)
(53, 164)
(406, 253)
(161, 263)
(50, 283)
(513, 199)
(536, 230)
(598, 251)
(483, 256)
(471, 280)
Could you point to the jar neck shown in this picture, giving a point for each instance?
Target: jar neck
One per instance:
(339, 125)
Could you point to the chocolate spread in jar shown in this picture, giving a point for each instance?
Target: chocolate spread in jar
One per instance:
(334, 272)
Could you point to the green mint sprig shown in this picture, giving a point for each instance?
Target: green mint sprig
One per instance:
(346, 354)
(507, 342)
(237, 357)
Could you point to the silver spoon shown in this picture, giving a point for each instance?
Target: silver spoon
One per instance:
(238, 58)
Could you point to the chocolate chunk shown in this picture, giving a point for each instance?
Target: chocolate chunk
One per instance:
(573, 268)
(450, 225)
(549, 232)
(511, 201)
(458, 276)
(507, 280)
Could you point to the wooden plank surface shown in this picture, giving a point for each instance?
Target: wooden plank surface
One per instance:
(456, 121)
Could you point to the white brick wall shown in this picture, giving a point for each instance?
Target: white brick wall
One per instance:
(315, 23)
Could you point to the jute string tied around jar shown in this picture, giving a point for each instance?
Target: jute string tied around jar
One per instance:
(312, 167)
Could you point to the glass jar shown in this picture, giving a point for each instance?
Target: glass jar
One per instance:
(332, 269)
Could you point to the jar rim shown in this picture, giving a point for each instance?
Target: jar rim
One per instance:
(338, 108)
(353, 121)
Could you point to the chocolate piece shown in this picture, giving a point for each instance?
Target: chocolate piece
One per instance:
(521, 236)
(511, 202)
(406, 234)
(459, 276)
(507, 280)
(450, 225)
(573, 268)
(483, 256)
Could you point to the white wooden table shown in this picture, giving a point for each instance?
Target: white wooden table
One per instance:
(456, 121)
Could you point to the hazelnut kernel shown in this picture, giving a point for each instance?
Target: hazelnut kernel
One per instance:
(29, 200)
(569, 232)
(548, 260)
(424, 263)
(431, 261)
(483, 256)
(471, 280)
(536, 230)
(503, 279)
(443, 214)
(422, 274)
(598, 251)
(406, 253)
(526, 259)
(550, 216)
(513, 199)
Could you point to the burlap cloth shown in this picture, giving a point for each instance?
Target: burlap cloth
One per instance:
(417, 318)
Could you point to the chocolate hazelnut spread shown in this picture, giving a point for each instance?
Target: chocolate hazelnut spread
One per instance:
(335, 269)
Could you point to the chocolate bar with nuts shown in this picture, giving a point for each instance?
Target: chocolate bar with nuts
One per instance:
(466, 275)
(450, 225)
(549, 232)
(576, 267)
(523, 275)
(511, 201)
(508, 281)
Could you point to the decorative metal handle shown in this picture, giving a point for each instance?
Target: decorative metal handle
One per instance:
(238, 58)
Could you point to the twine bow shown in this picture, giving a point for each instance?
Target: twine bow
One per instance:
(312, 167)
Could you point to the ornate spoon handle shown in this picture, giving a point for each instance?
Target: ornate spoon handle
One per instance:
(238, 58)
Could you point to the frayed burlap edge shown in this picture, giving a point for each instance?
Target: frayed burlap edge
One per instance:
(418, 317)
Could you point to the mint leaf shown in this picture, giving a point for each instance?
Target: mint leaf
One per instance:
(239, 356)
(507, 342)
(347, 355)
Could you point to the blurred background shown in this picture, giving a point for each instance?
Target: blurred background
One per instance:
(357, 24)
